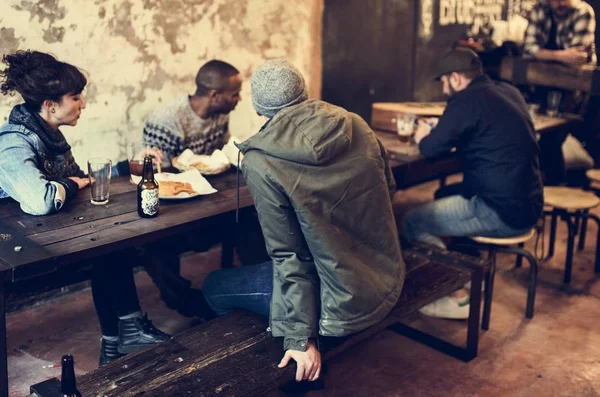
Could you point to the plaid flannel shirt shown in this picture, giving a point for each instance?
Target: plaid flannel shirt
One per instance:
(577, 29)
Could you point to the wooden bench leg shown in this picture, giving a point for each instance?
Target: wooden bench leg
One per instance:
(467, 353)
(3, 345)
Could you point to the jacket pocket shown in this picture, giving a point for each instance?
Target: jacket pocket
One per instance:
(53, 166)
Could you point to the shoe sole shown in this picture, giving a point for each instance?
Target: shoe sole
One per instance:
(134, 348)
(447, 317)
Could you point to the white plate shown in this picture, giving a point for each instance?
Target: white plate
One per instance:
(184, 196)
(198, 182)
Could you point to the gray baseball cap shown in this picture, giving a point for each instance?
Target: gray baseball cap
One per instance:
(459, 59)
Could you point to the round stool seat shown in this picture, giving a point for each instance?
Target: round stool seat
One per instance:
(593, 175)
(568, 198)
(505, 240)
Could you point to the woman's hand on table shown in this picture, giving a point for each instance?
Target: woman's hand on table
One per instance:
(81, 182)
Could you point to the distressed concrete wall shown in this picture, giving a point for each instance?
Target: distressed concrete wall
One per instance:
(141, 53)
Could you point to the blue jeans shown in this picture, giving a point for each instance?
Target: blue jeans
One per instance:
(454, 216)
(247, 287)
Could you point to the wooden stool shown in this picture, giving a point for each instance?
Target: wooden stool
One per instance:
(571, 205)
(593, 175)
(509, 245)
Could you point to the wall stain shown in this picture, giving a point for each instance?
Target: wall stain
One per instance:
(102, 12)
(121, 25)
(54, 35)
(91, 92)
(43, 9)
(8, 42)
(46, 10)
(169, 24)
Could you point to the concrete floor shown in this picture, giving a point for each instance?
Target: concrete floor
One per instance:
(555, 354)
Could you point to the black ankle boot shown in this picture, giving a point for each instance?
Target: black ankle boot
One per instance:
(138, 333)
(109, 351)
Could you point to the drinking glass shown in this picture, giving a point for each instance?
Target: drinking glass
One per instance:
(533, 109)
(553, 103)
(135, 154)
(136, 165)
(405, 126)
(99, 170)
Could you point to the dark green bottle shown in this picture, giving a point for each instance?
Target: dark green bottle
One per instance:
(68, 384)
(147, 192)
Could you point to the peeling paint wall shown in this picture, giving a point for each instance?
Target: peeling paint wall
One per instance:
(139, 54)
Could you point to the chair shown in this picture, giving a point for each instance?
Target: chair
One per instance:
(509, 245)
(571, 205)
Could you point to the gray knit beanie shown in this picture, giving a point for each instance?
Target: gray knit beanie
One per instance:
(275, 85)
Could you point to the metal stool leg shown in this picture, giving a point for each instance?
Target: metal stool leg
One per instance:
(597, 261)
(577, 221)
(533, 269)
(489, 291)
(584, 223)
(532, 285)
(552, 233)
(519, 262)
(570, 246)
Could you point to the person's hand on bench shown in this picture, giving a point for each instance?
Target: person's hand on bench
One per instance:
(308, 362)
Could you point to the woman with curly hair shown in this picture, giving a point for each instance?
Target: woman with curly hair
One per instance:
(38, 170)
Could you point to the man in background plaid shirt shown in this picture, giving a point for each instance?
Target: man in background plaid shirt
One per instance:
(563, 31)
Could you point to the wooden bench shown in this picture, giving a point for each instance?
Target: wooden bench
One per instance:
(234, 355)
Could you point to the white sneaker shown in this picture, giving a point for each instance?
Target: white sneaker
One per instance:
(448, 307)
(468, 287)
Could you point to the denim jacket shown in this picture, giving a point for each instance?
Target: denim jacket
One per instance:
(31, 172)
(31, 175)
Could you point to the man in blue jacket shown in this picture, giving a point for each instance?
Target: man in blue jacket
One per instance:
(501, 193)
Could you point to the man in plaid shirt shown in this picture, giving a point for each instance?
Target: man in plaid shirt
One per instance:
(563, 31)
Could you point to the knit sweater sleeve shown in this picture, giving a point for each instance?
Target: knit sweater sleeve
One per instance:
(164, 138)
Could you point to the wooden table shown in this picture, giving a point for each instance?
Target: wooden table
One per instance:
(413, 169)
(82, 230)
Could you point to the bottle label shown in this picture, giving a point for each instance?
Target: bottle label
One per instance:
(150, 201)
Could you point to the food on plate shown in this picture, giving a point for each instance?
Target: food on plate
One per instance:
(202, 166)
(173, 188)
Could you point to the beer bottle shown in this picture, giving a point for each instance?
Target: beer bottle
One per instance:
(68, 384)
(147, 192)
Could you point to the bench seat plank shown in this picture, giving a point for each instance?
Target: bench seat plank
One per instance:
(234, 355)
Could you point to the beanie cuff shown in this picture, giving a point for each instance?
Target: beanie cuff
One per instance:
(271, 111)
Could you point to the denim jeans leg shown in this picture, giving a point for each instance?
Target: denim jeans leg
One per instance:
(247, 287)
(454, 216)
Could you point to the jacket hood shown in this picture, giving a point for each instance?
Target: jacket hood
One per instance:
(312, 132)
